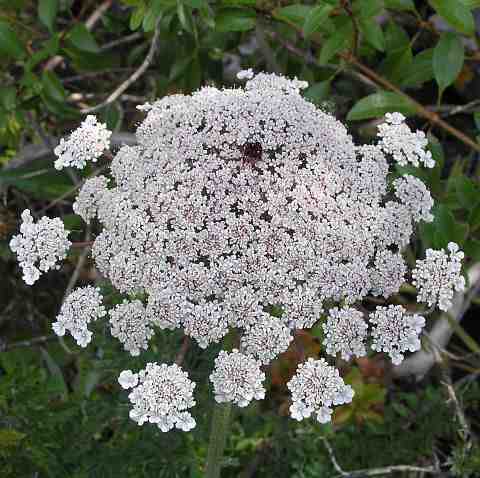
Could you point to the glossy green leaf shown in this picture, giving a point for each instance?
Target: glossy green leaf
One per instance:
(47, 12)
(448, 58)
(376, 105)
(82, 39)
(318, 92)
(10, 45)
(315, 19)
(372, 32)
(456, 14)
(296, 13)
(53, 87)
(420, 69)
(235, 20)
(137, 16)
(367, 8)
(467, 191)
(339, 41)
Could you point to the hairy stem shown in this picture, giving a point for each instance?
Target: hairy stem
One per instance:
(218, 438)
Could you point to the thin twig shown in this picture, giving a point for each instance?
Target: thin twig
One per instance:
(121, 41)
(135, 76)
(81, 260)
(27, 343)
(333, 459)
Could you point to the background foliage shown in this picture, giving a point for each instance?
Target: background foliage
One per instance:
(61, 411)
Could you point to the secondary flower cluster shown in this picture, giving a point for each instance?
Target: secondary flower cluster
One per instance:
(81, 307)
(315, 388)
(39, 247)
(395, 331)
(236, 202)
(438, 276)
(161, 394)
(86, 143)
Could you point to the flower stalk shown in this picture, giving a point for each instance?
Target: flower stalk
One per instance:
(218, 439)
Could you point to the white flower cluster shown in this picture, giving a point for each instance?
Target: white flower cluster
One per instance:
(88, 199)
(161, 394)
(438, 276)
(237, 378)
(345, 333)
(266, 338)
(395, 331)
(315, 388)
(413, 193)
(81, 307)
(128, 323)
(86, 143)
(39, 247)
(403, 144)
(238, 200)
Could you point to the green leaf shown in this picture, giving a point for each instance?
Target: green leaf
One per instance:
(400, 5)
(52, 86)
(378, 104)
(372, 32)
(474, 217)
(82, 39)
(446, 228)
(420, 69)
(297, 13)
(8, 98)
(235, 20)
(339, 41)
(47, 12)
(471, 4)
(367, 8)
(55, 371)
(456, 14)
(137, 16)
(467, 191)
(318, 92)
(448, 57)
(10, 46)
(315, 19)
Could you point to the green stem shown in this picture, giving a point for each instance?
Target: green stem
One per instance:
(218, 438)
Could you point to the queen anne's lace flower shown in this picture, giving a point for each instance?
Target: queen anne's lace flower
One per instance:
(39, 247)
(237, 378)
(438, 276)
(81, 307)
(345, 333)
(394, 331)
(316, 387)
(128, 323)
(266, 338)
(415, 196)
(161, 394)
(237, 201)
(89, 197)
(86, 143)
(404, 145)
